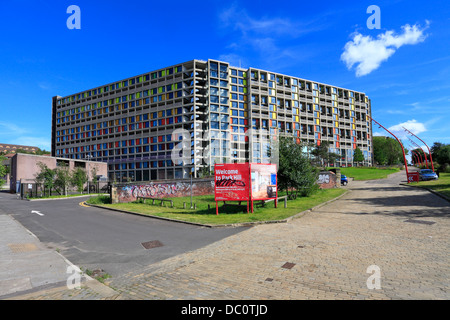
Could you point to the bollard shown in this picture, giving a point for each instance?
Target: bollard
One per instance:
(184, 205)
(195, 206)
(285, 202)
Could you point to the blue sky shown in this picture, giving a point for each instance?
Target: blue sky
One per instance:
(403, 67)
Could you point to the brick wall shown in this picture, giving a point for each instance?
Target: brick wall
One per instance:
(164, 189)
(327, 180)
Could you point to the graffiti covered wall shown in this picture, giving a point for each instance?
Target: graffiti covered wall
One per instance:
(166, 189)
(327, 179)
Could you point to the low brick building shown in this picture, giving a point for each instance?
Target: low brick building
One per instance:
(24, 167)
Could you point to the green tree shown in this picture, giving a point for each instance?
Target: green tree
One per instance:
(295, 173)
(323, 156)
(435, 148)
(37, 152)
(62, 178)
(45, 176)
(387, 151)
(78, 178)
(358, 156)
(443, 156)
(320, 153)
(3, 171)
(94, 172)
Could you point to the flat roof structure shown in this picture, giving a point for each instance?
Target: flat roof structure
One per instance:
(183, 118)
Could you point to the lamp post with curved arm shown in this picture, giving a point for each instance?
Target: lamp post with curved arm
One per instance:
(431, 158)
(401, 145)
(417, 156)
(425, 155)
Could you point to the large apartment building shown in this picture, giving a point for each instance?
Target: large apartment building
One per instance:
(167, 123)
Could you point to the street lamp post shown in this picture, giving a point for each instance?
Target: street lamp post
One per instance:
(424, 154)
(191, 189)
(401, 145)
(429, 151)
(88, 157)
(417, 156)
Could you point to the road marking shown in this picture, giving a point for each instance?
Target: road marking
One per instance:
(84, 205)
(37, 212)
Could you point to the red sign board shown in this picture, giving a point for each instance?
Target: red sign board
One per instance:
(413, 177)
(245, 182)
(231, 182)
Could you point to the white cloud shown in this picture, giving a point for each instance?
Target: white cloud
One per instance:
(234, 60)
(412, 125)
(268, 38)
(240, 20)
(20, 134)
(9, 129)
(368, 53)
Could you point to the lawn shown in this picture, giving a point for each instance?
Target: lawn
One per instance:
(67, 196)
(442, 185)
(366, 173)
(228, 214)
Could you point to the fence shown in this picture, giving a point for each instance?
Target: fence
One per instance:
(36, 190)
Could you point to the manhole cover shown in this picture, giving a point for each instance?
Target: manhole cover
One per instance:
(288, 265)
(420, 221)
(22, 247)
(152, 244)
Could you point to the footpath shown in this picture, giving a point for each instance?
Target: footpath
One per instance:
(379, 241)
(30, 270)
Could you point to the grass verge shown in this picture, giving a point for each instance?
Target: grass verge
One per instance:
(68, 196)
(442, 185)
(365, 173)
(228, 214)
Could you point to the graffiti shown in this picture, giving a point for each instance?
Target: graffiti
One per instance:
(154, 190)
(323, 178)
(229, 183)
(163, 190)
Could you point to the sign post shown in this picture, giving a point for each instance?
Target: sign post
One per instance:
(245, 182)
(413, 177)
(231, 183)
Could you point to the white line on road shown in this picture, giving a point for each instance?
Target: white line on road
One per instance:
(37, 212)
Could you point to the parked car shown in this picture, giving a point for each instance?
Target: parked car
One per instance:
(344, 180)
(427, 174)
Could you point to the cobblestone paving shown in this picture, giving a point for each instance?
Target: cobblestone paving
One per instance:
(331, 249)
(327, 250)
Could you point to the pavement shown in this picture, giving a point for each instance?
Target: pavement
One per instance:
(380, 241)
(29, 269)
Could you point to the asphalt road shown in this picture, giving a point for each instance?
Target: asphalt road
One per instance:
(95, 238)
